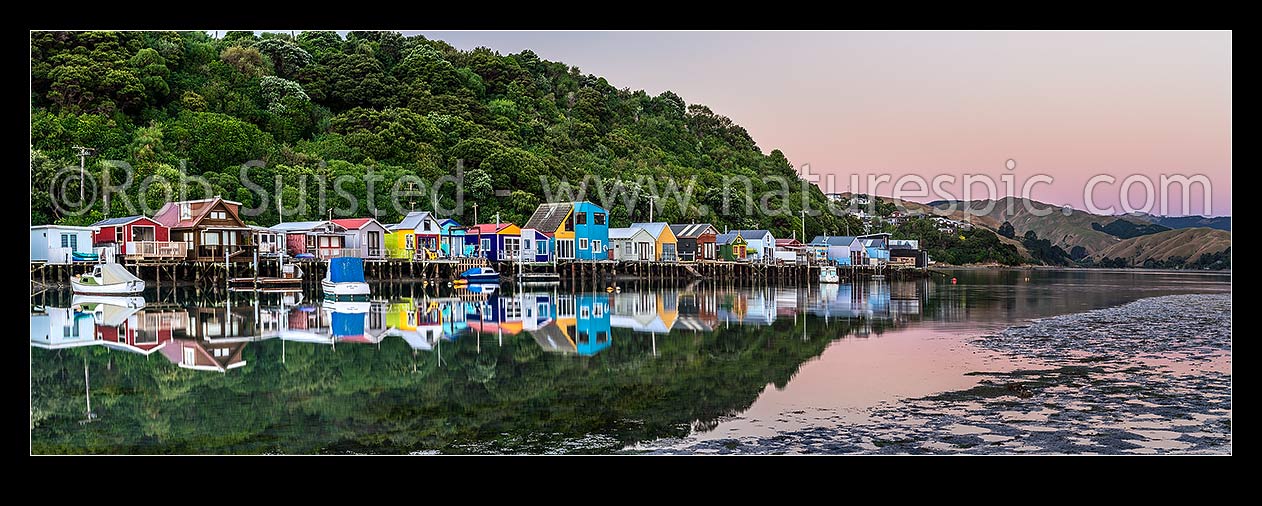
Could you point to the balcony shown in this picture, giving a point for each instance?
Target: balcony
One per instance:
(156, 250)
(327, 253)
(236, 253)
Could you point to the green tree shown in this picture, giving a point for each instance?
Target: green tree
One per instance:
(246, 60)
(286, 57)
(216, 142)
(1007, 230)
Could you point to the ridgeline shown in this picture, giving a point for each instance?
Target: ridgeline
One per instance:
(382, 104)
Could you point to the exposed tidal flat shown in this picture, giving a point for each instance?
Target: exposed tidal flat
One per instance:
(998, 361)
(1147, 377)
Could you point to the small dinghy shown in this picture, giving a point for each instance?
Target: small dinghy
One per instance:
(345, 278)
(107, 279)
(481, 275)
(133, 301)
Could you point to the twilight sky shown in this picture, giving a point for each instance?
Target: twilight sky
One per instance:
(1068, 104)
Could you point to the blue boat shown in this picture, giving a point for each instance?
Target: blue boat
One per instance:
(80, 256)
(345, 278)
(481, 275)
(487, 288)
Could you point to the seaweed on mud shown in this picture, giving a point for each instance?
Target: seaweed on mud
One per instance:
(1098, 396)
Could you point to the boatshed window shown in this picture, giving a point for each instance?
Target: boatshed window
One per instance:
(580, 218)
(599, 218)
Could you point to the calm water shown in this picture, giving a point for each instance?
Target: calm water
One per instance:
(876, 367)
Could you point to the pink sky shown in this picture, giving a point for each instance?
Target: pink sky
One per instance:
(1067, 104)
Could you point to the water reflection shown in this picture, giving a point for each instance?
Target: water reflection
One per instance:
(479, 372)
(211, 336)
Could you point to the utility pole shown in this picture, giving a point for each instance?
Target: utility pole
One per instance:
(804, 225)
(475, 213)
(651, 198)
(83, 154)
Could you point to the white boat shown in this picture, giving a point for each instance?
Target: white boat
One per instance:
(113, 300)
(828, 274)
(107, 279)
(346, 306)
(108, 313)
(345, 277)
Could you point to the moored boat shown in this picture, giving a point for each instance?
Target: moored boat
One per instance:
(345, 277)
(107, 279)
(481, 275)
(114, 300)
(828, 274)
(483, 288)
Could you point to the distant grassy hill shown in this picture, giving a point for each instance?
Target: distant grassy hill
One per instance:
(1046, 220)
(1137, 240)
(1123, 229)
(1215, 222)
(1189, 244)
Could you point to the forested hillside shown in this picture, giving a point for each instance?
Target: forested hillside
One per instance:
(377, 103)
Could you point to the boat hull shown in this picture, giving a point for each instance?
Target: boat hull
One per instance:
(340, 289)
(113, 300)
(482, 278)
(112, 289)
(480, 287)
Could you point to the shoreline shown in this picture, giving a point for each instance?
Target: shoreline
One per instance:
(1089, 394)
(999, 267)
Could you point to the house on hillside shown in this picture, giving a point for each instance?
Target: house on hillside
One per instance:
(695, 241)
(212, 227)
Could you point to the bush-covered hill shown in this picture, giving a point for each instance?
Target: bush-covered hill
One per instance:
(377, 103)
